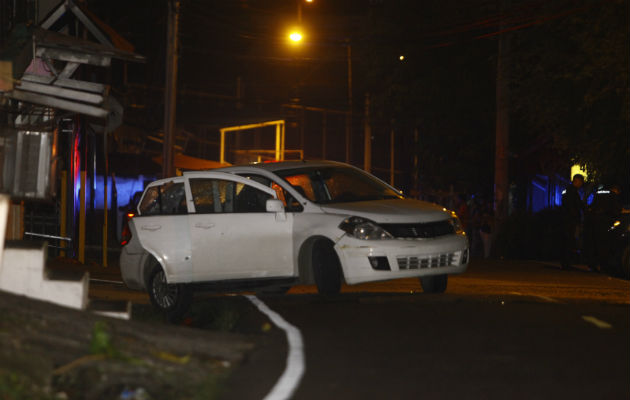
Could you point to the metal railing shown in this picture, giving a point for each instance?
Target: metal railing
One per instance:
(60, 240)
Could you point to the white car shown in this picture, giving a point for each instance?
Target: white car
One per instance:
(277, 224)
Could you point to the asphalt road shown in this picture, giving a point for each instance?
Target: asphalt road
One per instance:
(504, 329)
(518, 330)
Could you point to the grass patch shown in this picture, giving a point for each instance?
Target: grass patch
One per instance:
(216, 313)
(14, 386)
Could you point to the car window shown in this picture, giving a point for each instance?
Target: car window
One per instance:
(302, 183)
(168, 198)
(337, 185)
(221, 196)
(291, 204)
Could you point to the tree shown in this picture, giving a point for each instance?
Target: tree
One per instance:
(444, 88)
(571, 89)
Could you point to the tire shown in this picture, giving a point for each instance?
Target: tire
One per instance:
(434, 283)
(173, 300)
(326, 268)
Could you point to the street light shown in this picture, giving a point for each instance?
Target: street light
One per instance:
(295, 36)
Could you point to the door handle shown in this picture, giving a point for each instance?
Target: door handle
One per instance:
(204, 225)
(150, 227)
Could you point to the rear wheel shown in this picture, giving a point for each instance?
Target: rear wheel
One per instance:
(326, 268)
(171, 299)
(434, 283)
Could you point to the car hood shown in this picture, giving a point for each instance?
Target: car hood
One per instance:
(391, 211)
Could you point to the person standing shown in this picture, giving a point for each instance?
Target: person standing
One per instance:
(485, 229)
(601, 214)
(572, 210)
(463, 213)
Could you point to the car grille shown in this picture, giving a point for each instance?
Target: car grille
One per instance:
(423, 231)
(431, 261)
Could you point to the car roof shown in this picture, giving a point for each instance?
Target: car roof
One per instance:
(285, 165)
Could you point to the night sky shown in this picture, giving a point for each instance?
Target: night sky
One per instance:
(567, 60)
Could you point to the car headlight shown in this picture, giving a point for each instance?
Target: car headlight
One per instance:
(457, 225)
(364, 229)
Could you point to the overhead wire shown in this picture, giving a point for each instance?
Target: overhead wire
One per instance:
(523, 15)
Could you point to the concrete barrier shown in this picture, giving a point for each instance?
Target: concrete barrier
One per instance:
(23, 273)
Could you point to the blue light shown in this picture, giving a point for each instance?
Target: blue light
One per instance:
(126, 187)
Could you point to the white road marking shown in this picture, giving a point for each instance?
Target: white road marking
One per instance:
(293, 372)
(547, 299)
(597, 322)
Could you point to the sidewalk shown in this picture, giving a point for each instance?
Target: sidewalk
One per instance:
(105, 283)
(93, 265)
(496, 278)
(484, 277)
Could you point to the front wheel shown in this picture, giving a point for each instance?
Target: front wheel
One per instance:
(171, 299)
(326, 268)
(434, 283)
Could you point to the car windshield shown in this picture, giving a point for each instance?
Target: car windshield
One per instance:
(326, 185)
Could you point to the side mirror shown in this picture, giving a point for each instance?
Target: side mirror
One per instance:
(274, 206)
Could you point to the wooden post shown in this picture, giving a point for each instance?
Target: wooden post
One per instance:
(5, 202)
(63, 230)
(367, 137)
(501, 184)
(170, 92)
(105, 189)
(416, 170)
(349, 115)
(391, 157)
(324, 121)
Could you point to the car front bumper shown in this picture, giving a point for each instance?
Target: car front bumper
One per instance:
(406, 258)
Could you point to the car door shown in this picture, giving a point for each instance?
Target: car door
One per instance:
(162, 227)
(232, 234)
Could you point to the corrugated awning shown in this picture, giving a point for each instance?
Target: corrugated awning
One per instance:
(67, 48)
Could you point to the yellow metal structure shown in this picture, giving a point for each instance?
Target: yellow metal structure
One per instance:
(82, 219)
(105, 225)
(280, 133)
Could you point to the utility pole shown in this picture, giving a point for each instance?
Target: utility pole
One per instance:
(170, 92)
(416, 177)
(501, 184)
(349, 116)
(392, 159)
(299, 11)
(367, 137)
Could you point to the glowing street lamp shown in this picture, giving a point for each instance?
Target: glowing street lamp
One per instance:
(295, 36)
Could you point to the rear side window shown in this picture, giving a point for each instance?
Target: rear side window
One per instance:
(166, 199)
(290, 203)
(219, 196)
